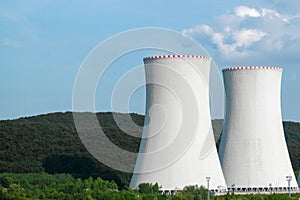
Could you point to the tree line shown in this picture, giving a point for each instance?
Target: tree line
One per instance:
(64, 186)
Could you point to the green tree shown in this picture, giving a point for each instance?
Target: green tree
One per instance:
(148, 188)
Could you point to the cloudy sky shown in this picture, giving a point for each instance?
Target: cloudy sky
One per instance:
(43, 44)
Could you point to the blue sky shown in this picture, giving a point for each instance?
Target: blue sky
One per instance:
(43, 44)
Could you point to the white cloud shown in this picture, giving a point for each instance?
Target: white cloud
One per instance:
(248, 32)
(241, 39)
(274, 14)
(198, 30)
(244, 11)
(247, 37)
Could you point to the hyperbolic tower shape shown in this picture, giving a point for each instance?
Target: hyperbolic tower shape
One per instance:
(253, 150)
(177, 147)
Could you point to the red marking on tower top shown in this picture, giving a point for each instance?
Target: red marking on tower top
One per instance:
(176, 56)
(253, 68)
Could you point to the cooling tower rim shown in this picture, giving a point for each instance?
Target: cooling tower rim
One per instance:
(175, 56)
(253, 68)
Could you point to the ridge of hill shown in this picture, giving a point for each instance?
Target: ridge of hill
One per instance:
(49, 143)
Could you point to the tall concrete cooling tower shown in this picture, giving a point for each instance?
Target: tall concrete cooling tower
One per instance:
(253, 150)
(178, 147)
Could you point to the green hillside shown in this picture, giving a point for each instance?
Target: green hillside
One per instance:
(49, 143)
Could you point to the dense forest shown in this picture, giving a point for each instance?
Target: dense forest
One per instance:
(64, 186)
(50, 144)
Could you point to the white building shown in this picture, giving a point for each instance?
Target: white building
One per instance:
(178, 147)
(253, 150)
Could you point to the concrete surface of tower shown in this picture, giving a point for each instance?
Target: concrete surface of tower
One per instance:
(178, 147)
(253, 150)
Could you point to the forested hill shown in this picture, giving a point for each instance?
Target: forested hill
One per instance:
(49, 143)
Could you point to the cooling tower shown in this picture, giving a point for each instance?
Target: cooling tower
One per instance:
(178, 147)
(253, 150)
(298, 179)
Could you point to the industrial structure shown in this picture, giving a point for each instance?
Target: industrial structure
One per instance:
(253, 150)
(298, 178)
(177, 148)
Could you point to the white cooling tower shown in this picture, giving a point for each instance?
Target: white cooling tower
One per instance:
(298, 180)
(253, 150)
(178, 147)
